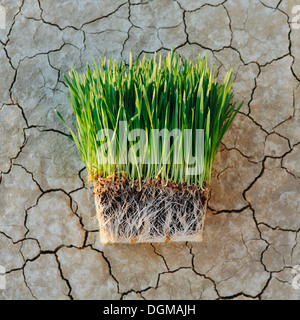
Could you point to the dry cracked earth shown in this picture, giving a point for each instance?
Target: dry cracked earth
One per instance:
(49, 243)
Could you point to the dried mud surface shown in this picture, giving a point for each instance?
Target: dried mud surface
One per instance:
(49, 242)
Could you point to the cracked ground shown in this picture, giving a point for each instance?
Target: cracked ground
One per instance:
(49, 243)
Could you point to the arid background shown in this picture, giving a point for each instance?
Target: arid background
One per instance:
(49, 244)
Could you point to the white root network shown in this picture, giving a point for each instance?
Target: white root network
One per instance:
(152, 214)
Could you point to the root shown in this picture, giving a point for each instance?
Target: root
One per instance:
(128, 212)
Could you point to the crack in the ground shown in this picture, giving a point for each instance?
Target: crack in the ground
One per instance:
(69, 194)
(109, 266)
(64, 278)
(160, 255)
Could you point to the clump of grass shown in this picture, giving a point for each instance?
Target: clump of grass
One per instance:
(170, 93)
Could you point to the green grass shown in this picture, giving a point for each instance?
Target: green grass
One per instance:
(165, 93)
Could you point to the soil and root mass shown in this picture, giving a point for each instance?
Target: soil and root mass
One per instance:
(151, 211)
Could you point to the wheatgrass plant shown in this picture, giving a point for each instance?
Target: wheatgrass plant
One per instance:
(155, 93)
